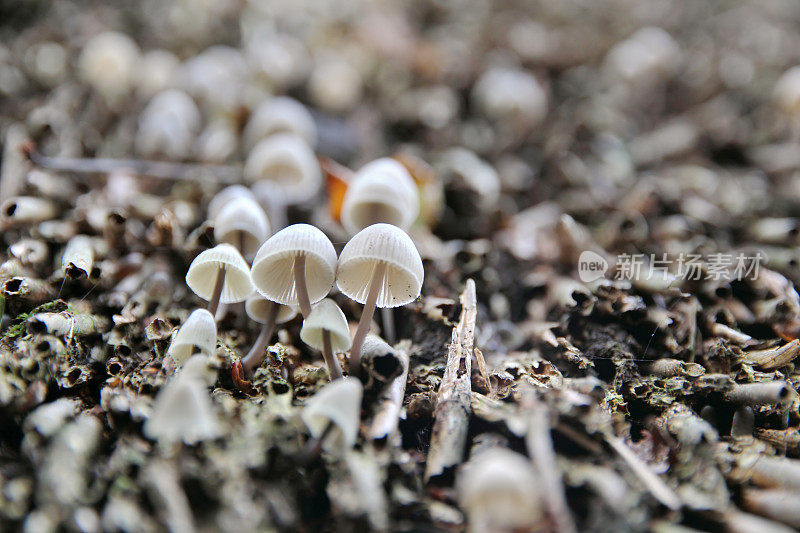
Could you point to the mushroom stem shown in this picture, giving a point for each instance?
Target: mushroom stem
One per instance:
(213, 303)
(257, 353)
(389, 333)
(300, 284)
(314, 445)
(366, 318)
(330, 358)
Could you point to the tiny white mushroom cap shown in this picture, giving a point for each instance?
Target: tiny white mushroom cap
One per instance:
(108, 62)
(246, 216)
(226, 195)
(287, 160)
(281, 114)
(199, 331)
(272, 270)
(258, 307)
(197, 367)
(381, 191)
(326, 315)
(510, 94)
(183, 411)
(337, 403)
(402, 281)
(787, 91)
(202, 274)
(168, 125)
(499, 491)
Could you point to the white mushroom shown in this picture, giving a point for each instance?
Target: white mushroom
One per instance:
(168, 125)
(242, 223)
(511, 95)
(296, 266)
(379, 267)
(281, 114)
(198, 333)
(220, 274)
(268, 314)
(333, 414)
(498, 489)
(108, 64)
(224, 196)
(381, 191)
(326, 329)
(288, 161)
(183, 411)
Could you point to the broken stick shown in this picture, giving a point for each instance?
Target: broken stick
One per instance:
(387, 415)
(451, 417)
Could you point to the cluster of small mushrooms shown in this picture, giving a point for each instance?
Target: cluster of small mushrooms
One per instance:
(294, 270)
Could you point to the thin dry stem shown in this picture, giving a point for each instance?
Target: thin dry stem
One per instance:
(213, 303)
(330, 358)
(258, 353)
(300, 284)
(366, 318)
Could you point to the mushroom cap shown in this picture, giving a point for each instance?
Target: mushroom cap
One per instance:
(339, 403)
(381, 191)
(273, 266)
(226, 195)
(499, 489)
(289, 161)
(200, 331)
(326, 315)
(257, 308)
(281, 114)
(787, 90)
(183, 411)
(402, 282)
(108, 62)
(246, 216)
(202, 274)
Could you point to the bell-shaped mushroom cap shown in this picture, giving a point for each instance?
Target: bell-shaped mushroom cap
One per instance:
(787, 90)
(381, 242)
(242, 216)
(108, 63)
(224, 196)
(337, 403)
(198, 367)
(499, 491)
(273, 265)
(281, 114)
(287, 160)
(183, 411)
(203, 272)
(326, 315)
(199, 331)
(258, 307)
(382, 191)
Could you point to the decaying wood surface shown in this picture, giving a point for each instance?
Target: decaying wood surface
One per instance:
(451, 418)
(387, 413)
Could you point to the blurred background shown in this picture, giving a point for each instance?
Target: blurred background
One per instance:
(660, 126)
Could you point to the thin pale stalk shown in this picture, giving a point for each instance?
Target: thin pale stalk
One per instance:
(330, 358)
(314, 446)
(300, 284)
(366, 318)
(258, 352)
(213, 303)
